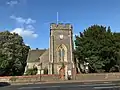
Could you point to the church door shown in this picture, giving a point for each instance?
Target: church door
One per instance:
(62, 73)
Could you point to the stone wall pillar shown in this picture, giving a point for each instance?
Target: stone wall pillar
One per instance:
(50, 69)
(38, 69)
(74, 73)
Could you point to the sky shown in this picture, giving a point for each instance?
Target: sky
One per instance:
(31, 18)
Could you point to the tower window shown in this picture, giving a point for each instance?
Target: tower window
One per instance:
(61, 54)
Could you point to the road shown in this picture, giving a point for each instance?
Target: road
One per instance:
(65, 86)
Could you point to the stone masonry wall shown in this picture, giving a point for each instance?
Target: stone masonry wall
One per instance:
(29, 79)
(98, 76)
(46, 78)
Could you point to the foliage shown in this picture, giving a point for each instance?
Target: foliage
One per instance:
(63, 65)
(32, 71)
(13, 54)
(98, 46)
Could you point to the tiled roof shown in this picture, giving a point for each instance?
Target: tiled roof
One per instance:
(33, 55)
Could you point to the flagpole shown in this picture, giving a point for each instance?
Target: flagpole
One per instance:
(57, 17)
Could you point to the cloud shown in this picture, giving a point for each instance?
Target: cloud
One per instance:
(22, 20)
(25, 33)
(12, 2)
(29, 21)
(30, 27)
(18, 19)
(27, 44)
(26, 28)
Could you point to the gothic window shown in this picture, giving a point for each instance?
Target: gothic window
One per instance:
(61, 54)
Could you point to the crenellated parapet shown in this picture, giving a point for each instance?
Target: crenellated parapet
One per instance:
(60, 26)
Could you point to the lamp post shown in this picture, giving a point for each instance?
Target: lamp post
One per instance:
(40, 70)
(40, 66)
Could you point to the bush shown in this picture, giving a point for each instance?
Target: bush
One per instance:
(32, 71)
(115, 68)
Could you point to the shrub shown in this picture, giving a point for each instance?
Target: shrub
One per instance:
(32, 71)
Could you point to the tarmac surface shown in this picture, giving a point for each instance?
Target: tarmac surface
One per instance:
(65, 86)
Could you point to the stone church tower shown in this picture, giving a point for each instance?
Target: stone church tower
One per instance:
(61, 48)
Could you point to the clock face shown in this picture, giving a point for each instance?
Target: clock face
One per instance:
(61, 36)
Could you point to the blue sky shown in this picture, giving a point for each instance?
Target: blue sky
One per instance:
(31, 18)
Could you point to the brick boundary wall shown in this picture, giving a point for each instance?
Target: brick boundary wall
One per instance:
(48, 78)
(30, 78)
(98, 76)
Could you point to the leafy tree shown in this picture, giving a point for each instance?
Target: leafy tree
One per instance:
(13, 54)
(98, 46)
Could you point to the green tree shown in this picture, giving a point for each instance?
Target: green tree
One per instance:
(98, 46)
(13, 54)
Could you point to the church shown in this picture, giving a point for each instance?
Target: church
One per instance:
(58, 55)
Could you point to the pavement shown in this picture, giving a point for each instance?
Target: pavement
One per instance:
(100, 85)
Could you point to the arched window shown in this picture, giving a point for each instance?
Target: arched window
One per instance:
(61, 53)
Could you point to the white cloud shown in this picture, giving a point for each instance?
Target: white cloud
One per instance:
(12, 2)
(30, 27)
(25, 33)
(22, 20)
(27, 28)
(18, 19)
(29, 21)
(27, 44)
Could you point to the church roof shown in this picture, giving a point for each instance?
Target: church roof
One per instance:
(33, 55)
(44, 58)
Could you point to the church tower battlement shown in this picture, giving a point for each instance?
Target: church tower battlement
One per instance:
(60, 26)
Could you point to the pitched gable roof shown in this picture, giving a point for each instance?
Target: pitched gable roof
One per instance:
(44, 58)
(33, 55)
